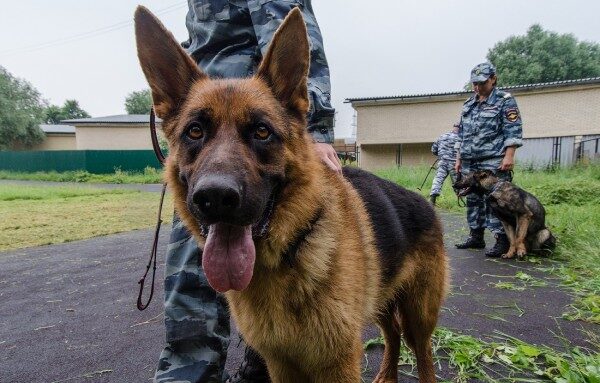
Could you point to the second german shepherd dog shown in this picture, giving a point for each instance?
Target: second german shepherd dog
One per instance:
(305, 257)
(522, 215)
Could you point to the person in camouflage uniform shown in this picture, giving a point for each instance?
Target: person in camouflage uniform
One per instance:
(444, 149)
(489, 133)
(227, 38)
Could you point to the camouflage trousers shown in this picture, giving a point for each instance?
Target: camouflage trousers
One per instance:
(228, 39)
(445, 169)
(196, 317)
(479, 214)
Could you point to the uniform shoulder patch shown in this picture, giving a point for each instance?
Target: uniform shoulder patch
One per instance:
(512, 114)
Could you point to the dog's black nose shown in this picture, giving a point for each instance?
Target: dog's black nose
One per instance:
(217, 197)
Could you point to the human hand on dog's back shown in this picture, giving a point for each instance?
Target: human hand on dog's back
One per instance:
(327, 154)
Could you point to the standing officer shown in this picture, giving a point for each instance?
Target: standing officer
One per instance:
(444, 149)
(489, 133)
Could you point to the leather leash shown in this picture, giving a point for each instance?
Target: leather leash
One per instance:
(427, 176)
(161, 158)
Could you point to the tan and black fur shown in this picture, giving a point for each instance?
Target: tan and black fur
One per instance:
(521, 213)
(328, 254)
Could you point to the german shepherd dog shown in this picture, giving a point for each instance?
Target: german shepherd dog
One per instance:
(305, 257)
(522, 215)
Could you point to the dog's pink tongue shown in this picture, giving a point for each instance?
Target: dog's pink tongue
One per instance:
(228, 257)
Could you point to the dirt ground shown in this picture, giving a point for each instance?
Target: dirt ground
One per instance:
(68, 311)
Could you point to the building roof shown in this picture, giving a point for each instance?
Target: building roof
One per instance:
(117, 119)
(544, 85)
(53, 128)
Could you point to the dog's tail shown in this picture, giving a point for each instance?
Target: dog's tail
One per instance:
(545, 241)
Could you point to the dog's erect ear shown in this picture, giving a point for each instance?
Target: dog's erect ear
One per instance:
(285, 65)
(481, 175)
(170, 71)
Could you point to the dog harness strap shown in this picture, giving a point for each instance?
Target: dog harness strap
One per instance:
(289, 255)
(140, 305)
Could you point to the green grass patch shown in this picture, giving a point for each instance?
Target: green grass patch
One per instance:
(518, 282)
(586, 308)
(412, 178)
(148, 176)
(17, 192)
(504, 359)
(34, 216)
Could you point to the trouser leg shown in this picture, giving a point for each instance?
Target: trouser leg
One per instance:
(476, 212)
(196, 317)
(438, 181)
(491, 221)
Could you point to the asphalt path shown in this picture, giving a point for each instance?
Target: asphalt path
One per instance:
(68, 314)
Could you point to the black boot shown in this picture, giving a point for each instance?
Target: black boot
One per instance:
(432, 198)
(474, 241)
(500, 248)
(252, 370)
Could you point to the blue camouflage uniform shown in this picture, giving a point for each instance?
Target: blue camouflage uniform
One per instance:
(445, 149)
(227, 39)
(486, 129)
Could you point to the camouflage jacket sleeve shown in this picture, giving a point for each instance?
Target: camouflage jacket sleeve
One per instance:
(459, 138)
(512, 123)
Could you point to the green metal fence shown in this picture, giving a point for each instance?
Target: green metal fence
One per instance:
(93, 161)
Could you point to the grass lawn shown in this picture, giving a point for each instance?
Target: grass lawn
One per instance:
(148, 176)
(34, 216)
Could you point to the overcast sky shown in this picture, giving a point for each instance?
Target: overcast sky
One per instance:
(85, 50)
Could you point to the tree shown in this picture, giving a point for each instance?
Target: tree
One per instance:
(139, 102)
(544, 56)
(53, 114)
(69, 110)
(21, 112)
(72, 110)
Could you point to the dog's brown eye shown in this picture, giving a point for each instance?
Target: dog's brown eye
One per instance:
(262, 133)
(195, 132)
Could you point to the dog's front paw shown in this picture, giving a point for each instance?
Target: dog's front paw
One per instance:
(521, 252)
(510, 254)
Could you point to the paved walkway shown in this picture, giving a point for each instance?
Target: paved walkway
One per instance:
(68, 311)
